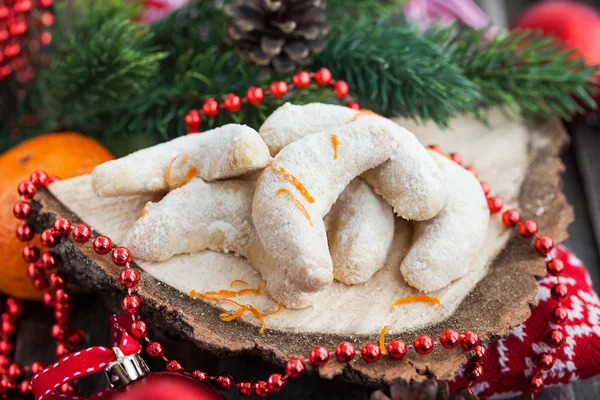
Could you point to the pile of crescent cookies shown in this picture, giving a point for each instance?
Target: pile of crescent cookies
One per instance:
(307, 199)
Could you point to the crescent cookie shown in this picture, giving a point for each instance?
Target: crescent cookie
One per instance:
(410, 181)
(228, 151)
(300, 185)
(444, 246)
(360, 230)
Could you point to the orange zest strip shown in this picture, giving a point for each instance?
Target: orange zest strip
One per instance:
(274, 312)
(416, 299)
(363, 113)
(260, 317)
(192, 172)
(227, 318)
(169, 180)
(236, 281)
(292, 179)
(229, 293)
(335, 141)
(144, 213)
(382, 338)
(296, 202)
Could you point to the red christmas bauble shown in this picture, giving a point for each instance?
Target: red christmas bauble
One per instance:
(163, 386)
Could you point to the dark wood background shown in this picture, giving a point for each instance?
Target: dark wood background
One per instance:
(581, 185)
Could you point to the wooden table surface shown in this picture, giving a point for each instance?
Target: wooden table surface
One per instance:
(581, 186)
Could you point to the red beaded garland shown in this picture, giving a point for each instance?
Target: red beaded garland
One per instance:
(210, 108)
(479, 353)
(39, 178)
(4, 361)
(200, 375)
(34, 272)
(61, 227)
(353, 105)
(276, 383)
(544, 245)
(295, 368)
(5, 346)
(129, 277)
(121, 256)
(102, 245)
(323, 77)
(511, 218)
(345, 352)
(559, 291)
(47, 238)
(193, 120)
(261, 389)
(555, 338)
(81, 233)
(22, 210)
(50, 260)
(24, 233)
(57, 332)
(450, 338)
(528, 228)
(62, 296)
(555, 267)
(341, 89)
(31, 253)
(63, 349)
(25, 387)
(155, 349)
(139, 330)
(545, 361)
(370, 352)
(485, 187)
(278, 89)
(27, 189)
(536, 384)
(36, 367)
(16, 370)
(246, 388)
(473, 372)
(457, 158)
(396, 349)
(131, 303)
(319, 356)
(469, 340)
(423, 344)
(57, 281)
(13, 306)
(174, 366)
(559, 315)
(473, 171)
(232, 102)
(255, 95)
(301, 80)
(7, 384)
(495, 204)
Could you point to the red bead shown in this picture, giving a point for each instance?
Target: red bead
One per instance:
(301, 80)
(62, 349)
(25, 387)
(457, 158)
(396, 349)
(121, 256)
(40, 284)
(52, 179)
(232, 103)
(435, 148)
(224, 382)
(57, 332)
(62, 296)
(102, 245)
(22, 6)
(13, 306)
(479, 353)
(47, 19)
(449, 339)
(39, 178)
(4, 12)
(36, 367)
(22, 210)
(34, 272)
(201, 376)
(295, 368)
(495, 204)
(528, 228)
(61, 227)
(139, 330)
(50, 260)
(544, 244)
(555, 338)
(76, 337)
(57, 281)
(370, 352)
(46, 38)
(261, 389)
(485, 187)
(193, 120)
(246, 388)
(555, 267)
(559, 291)
(61, 316)
(341, 89)
(46, 3)
(345, 352)
(174, 366)
(67, 388)
(27, 189)
(7, 384)
(210, 108)
(323, 77)
(319, 356)
(7, 327)
(469, 340)
(6, 346)
(276, 383)
(353, 105)
(559, 315)
(31, 253)
(473, 171)
(4, 361)
(155, 349)
(255, 95)
(278, 89)
(81, 233)
(24, 233)
(511, 218)
(473, 372)
(47, 238)
(131, 303)
(423, 344)
(545, 361)
(535, 384)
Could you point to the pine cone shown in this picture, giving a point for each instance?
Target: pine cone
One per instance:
(278, 34)
(430, 389)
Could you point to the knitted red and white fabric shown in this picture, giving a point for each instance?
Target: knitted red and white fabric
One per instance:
(509, 362)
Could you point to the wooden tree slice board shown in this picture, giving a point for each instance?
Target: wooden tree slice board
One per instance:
(521, 165)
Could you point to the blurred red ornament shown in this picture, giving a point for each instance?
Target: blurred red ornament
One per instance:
(166, 386)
